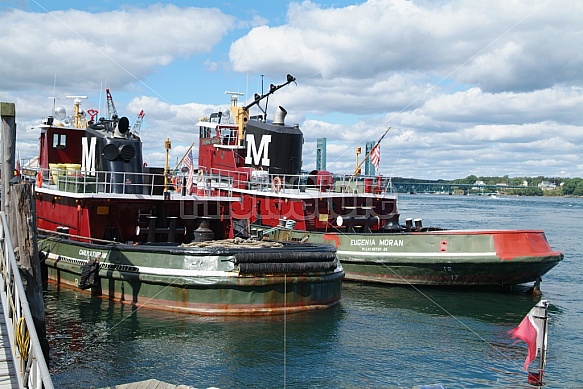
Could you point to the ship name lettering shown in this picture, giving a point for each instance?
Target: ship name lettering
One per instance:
(90, 253)
(362, 242)
(392, 242)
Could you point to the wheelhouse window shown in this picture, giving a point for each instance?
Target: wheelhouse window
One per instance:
(205, 132)
(59, 141)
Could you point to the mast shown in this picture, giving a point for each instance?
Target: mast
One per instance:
(241, 114)
(167, 147)
(358, 165)
(79, 114)
(533, 330)
(182, 159)
(544, 305)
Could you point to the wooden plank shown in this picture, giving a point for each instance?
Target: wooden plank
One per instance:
(149, 384)
(8, 379)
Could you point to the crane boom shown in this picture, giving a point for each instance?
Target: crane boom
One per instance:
(138, 123)
(111, 111)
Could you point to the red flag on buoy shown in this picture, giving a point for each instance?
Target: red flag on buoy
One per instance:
(531, 330)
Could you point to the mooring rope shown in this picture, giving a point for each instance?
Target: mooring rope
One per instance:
(22, 338)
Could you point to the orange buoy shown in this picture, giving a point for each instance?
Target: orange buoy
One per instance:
(276, 184)
(39, 179)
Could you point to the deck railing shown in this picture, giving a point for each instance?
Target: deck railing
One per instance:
(207, 181)
(31, 367)
(263, 181)
(105, 182)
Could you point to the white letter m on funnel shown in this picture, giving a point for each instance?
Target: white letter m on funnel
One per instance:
(253, 154)
(88, 156)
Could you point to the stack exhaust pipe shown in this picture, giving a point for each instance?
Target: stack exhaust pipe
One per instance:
(279, 117)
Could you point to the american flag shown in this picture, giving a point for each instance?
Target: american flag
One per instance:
(188, 162)
(375, 156)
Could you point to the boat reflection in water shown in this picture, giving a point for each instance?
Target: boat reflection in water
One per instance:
(372, 330)
(484, 305)
(97, 343)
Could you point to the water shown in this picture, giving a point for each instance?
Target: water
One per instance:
(379, 336)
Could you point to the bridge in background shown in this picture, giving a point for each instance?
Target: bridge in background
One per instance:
(446, 188)
(372, 183)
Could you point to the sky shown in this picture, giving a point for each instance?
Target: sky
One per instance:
(484, 88)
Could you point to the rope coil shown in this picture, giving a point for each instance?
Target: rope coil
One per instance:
(22, 338)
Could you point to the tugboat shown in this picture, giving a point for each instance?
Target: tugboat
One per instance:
(354, 214)
(111, 225)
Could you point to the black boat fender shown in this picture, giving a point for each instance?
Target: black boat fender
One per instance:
(89, 274)
(284, 257)
(285, 262)
(535, 289)
(286, 268)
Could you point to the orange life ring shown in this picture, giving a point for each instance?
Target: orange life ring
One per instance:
(276, 184)
(176, 183)
(39, 179)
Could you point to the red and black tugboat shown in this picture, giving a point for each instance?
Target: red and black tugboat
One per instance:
(112, 225)
(354, 214)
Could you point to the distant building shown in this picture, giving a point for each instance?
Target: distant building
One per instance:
(478, 185)
(546, 185)
(321, 154)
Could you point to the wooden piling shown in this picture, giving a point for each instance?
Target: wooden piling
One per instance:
(8, 114)
(19, 205)
(22, 220)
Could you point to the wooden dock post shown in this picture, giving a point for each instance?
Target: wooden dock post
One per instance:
(18, 203)
(8, 114)
(22, 220)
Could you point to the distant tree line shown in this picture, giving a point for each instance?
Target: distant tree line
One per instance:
(563, 186)
(572, 187)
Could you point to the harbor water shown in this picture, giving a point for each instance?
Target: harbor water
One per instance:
(379, 336)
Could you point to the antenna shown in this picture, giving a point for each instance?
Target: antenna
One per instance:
(100, 95)
(234, 96)
(80, 121)
(272, 89)
(54, 102)
(54, 93)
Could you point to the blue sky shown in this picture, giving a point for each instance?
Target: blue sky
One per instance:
(484, 88)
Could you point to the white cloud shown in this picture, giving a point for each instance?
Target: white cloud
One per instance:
(493, 44)
(484, 88)
(82, 49)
